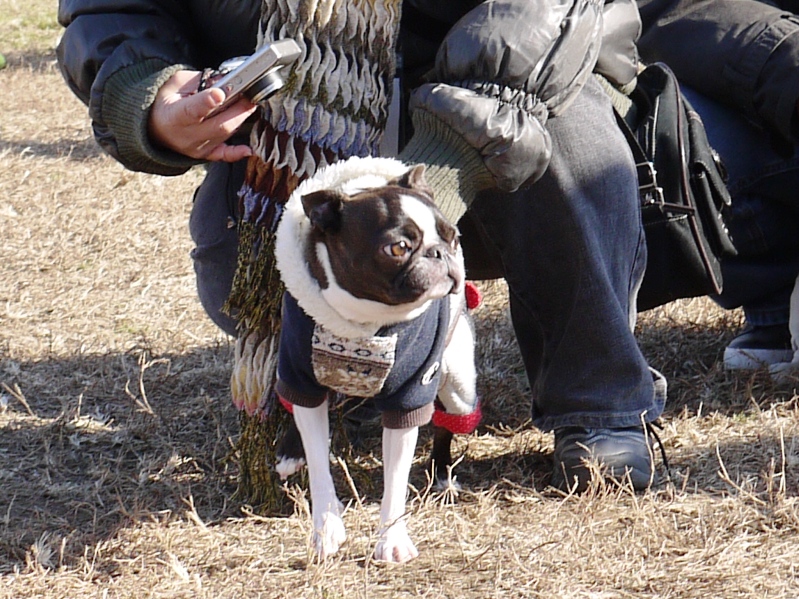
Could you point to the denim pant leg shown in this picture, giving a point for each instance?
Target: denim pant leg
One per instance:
(573, 252)
(212, 227)
(764, 217)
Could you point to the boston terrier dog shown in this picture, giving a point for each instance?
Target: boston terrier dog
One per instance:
(374, 308)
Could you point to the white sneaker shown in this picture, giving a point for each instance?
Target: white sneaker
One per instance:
(759, 347)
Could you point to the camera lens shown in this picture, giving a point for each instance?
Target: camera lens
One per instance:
(265, 87)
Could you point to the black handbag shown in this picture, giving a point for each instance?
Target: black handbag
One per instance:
(683, 192)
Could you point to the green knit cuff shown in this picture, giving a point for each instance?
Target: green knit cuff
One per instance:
(128, 97)
(455, 170)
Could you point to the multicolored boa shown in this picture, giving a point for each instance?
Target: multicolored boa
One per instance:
(334, 106)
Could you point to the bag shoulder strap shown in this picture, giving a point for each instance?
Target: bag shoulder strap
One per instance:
(648, 186)
(626, 111)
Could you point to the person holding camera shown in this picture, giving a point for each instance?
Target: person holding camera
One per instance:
(746, 89)
(514, 131)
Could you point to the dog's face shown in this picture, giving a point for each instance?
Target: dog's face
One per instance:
(382, 254)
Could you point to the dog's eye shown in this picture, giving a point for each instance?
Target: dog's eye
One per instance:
(398, 249)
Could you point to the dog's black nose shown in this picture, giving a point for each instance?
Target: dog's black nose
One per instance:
(435, 252)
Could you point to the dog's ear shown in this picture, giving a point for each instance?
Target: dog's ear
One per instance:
(414, 179)
(323, 208)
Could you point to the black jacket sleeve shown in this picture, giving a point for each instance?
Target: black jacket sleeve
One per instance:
(102, 37)
(115, 55)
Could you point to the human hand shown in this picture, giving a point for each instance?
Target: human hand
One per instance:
(178, 120)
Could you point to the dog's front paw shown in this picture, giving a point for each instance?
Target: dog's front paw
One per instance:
(329, 534)
(395, 545)
(290, 453)
(285, 466)
(448, 489)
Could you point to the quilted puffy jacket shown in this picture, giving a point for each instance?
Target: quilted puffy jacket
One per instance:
(500, 68)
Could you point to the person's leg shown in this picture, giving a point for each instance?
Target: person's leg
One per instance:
(213, 228)
(573, 253)
(764, 222)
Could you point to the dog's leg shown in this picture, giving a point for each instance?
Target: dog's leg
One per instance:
(399, 446)
(458, 394)
(329, 531)
(458, 389)
(290, 455)
(441, 459)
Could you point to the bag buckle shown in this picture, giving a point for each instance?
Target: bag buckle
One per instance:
(648, 187)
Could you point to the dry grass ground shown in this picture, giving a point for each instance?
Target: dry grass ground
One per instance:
(116, 429)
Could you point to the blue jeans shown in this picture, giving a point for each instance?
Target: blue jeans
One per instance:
(764, 218)
(572, 251)
(573, 254)
(213, 230)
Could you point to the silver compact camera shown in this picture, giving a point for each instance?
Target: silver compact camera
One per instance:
(255, 77)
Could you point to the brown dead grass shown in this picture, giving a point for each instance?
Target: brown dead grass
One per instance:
(116, 429)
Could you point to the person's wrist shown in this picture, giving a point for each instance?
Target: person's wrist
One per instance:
(127, 100)
(454, 169)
